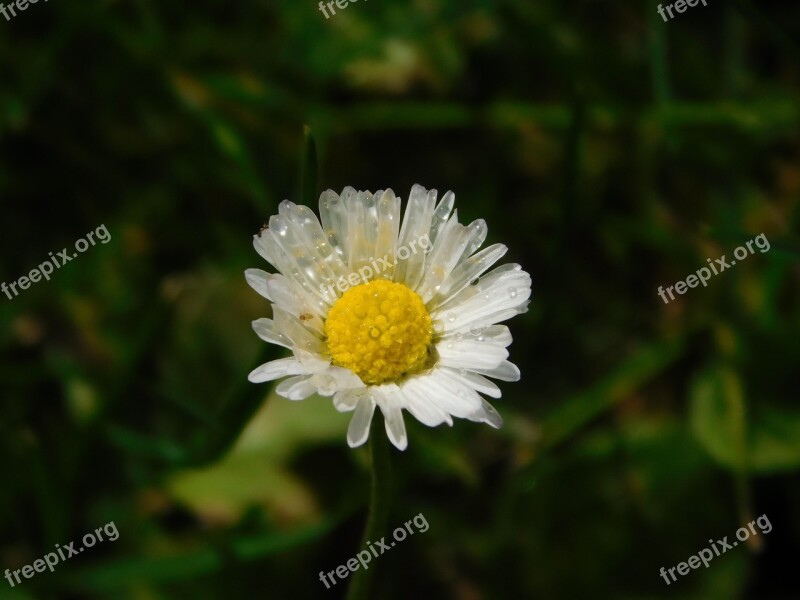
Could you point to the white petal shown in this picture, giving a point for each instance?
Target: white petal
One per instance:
(291, 299)
(491, 335)
(358, 431)
(312, 362)
(388, 207)
(262, 249)
(500, 295)
(443, 257)
(441, 214)
(346, 400)
(474, 381)
(477, 235)
(257, 279)
(333, 212)
(303, 217)
(282, 292)
(301, 337)
(467, 271)
(362, 225)
(306, 264)
(425, 411)
(296, 388)
(470, 354)
(416, 226)
(300, 264)
(393, 417)
(446, 394)
(335, 379)
(269, 332)
(276, 369)
(505, 371)
(487, 414)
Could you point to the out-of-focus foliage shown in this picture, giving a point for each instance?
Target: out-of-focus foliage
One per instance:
(612, 152)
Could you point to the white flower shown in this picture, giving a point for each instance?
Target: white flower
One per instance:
(377, 314)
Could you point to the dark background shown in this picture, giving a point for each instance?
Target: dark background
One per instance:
(612, 152)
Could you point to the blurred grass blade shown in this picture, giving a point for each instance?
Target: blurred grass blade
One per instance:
(658, 60)
(590, 404)
(144, 446)
(136, 571)
(242, 403)
(308, 169)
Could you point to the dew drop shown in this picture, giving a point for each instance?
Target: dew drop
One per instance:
(459, 336)
(279, 227)
(475, 281)
(438, 326)
(449, 345)
(451, 317)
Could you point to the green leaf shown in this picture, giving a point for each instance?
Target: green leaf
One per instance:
(719, 420)
(255, 471)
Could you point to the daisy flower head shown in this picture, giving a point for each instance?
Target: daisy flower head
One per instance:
(402, 316)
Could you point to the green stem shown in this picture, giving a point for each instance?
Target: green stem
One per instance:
(308, 169)
(380, 498)
(658, 61)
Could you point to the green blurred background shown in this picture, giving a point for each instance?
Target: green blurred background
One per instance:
(612, 152)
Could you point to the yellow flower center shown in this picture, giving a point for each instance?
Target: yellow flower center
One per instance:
(379, 330)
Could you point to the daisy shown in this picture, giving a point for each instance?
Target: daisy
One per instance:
(402, 317)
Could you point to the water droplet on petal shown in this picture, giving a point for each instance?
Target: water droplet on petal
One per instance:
(512, 292)
(451, 317)
(475, 281)
(438, 326)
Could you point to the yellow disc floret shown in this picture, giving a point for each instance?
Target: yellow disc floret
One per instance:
(379, 330)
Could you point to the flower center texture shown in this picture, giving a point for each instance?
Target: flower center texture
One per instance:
(379, 330)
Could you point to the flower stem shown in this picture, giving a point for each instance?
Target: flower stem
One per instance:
(380, 496)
